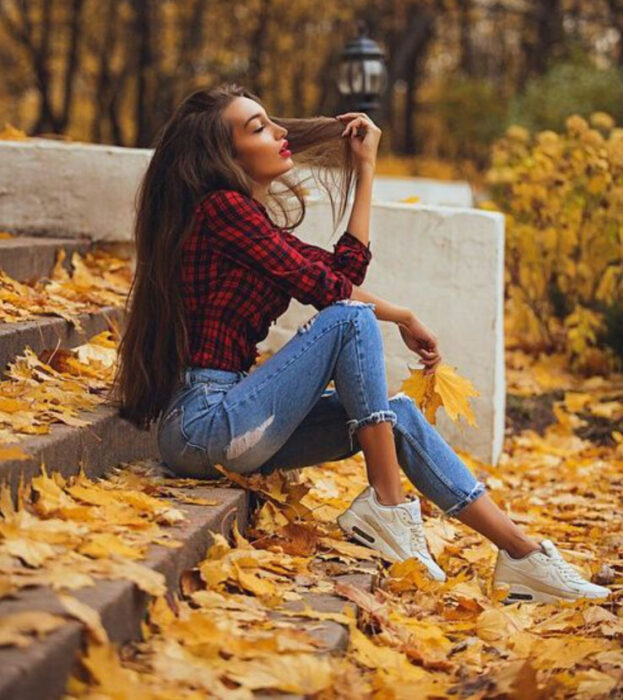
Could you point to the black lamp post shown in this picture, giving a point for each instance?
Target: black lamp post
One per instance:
(362, 76)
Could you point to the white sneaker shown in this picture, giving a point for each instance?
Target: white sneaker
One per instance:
(396, 531)
(543, 577)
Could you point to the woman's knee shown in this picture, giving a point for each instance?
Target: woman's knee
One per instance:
(346, 308)
(354, 308)
(355, 303)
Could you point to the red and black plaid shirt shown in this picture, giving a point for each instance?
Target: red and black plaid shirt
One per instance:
(240, 271)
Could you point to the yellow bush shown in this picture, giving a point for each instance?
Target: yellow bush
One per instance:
(562, 195)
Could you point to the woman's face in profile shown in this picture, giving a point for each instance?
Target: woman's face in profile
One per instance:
(257, 140)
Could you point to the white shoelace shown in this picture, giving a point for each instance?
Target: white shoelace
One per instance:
(567, 571)
(417, 536)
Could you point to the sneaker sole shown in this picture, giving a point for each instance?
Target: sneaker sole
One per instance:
(353, 526)
(524, 594)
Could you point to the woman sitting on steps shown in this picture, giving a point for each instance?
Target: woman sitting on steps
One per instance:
(214, 271)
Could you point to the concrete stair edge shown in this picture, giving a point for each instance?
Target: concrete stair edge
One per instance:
(27, 257)
(107, 440)
(53, 331)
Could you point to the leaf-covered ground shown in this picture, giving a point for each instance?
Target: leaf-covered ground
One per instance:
(452, 639)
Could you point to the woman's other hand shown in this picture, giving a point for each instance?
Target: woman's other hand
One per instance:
(419, 339)
(363, 135)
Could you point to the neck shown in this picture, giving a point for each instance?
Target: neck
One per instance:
(260, 192)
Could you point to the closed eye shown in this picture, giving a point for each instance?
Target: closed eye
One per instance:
(260, 129)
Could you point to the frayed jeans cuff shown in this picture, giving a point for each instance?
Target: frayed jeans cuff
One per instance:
(477, 491)
(376, 417)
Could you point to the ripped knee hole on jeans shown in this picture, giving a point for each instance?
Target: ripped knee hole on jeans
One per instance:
(344, 302)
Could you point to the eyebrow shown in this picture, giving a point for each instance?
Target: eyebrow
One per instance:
(255, 116)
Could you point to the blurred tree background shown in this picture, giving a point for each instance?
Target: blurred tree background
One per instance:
(460, 71)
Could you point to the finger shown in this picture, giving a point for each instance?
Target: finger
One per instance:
(432, 352)
(352, 129)
(353, 124)
(352, 115)
(350, 126)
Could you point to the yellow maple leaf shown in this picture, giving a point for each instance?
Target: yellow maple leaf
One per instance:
(16, 628)
(86, 614)
(444, 387)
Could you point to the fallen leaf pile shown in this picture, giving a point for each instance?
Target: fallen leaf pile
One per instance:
(97, 280)
(66, 532)
(37, 393)
(57, 385)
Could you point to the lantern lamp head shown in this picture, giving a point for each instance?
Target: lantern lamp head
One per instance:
(362, 76)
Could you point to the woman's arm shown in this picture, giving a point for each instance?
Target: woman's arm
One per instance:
(349, 256)
(415, 334)
(359, 226)
(359, 221)
(384, 310)
(237, 228)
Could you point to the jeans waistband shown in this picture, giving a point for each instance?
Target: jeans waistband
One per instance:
(206, 374)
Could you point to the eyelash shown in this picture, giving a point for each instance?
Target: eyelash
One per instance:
(260, 129)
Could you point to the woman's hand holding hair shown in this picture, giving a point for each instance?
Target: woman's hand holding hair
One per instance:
(419, 339)
(363, 135)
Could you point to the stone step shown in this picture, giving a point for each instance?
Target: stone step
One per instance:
(31, 257)
(40, 670)
(53, 331)
(105, 442)
(333, 636)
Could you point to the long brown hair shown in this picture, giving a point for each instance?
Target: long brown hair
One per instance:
(194, 154)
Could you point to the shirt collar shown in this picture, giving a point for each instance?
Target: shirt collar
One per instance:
(263, 208)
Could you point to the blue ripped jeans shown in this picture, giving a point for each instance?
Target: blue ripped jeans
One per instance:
(282, 416)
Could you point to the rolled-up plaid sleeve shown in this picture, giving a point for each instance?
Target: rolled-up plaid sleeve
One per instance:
(350, 256)
(238, 229)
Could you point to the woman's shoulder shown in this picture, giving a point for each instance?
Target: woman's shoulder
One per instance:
(224, 199)
(225, 196)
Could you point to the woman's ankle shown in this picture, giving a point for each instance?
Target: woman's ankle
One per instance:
(519, 551)
(389, 499)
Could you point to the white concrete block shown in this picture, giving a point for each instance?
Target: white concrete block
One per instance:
(70, 189)
(392, 189)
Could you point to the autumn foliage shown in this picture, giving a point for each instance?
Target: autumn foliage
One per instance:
(562, 195)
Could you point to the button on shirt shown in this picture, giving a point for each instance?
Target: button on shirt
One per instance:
(239, 272)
